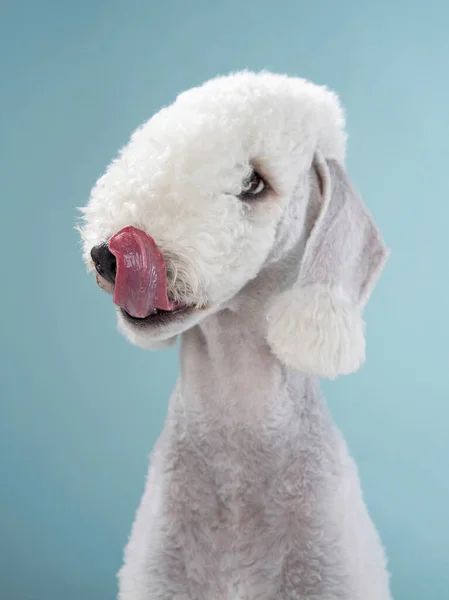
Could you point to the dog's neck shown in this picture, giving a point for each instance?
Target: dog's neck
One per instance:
(230, 379)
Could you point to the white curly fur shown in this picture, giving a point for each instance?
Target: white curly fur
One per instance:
(178, 176)
(251, 491)
(329, 329)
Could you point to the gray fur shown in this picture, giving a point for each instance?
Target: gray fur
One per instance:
(252, 494)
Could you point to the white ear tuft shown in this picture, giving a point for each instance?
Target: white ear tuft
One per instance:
(318, 331)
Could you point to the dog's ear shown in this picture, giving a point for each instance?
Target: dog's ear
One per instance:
(316, 326)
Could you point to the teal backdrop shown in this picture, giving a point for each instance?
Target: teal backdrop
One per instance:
(81, 408)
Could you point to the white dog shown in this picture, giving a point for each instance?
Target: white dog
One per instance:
(228, 218)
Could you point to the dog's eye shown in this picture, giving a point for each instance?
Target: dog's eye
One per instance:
(252, 186)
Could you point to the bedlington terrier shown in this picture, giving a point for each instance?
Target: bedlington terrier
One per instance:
(229, 219)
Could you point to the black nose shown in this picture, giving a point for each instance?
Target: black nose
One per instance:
(104, 262)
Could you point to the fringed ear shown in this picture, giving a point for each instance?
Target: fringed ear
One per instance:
(317, 326)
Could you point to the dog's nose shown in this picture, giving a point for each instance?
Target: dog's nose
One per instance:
(104, 262)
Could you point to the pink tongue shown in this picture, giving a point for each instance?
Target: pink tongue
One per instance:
(140, 281)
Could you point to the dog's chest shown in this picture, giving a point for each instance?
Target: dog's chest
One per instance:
(239, 499)
(241, 548)
(235, 535)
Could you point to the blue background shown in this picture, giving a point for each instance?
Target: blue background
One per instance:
(80, 407)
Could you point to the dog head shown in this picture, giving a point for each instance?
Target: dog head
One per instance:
(231, 178)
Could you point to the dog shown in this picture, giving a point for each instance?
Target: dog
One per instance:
(229, 220)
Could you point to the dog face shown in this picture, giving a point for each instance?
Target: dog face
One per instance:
(210, 191)
(209, 179)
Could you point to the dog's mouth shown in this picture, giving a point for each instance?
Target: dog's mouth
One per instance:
(136, 276)
(158, 317)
